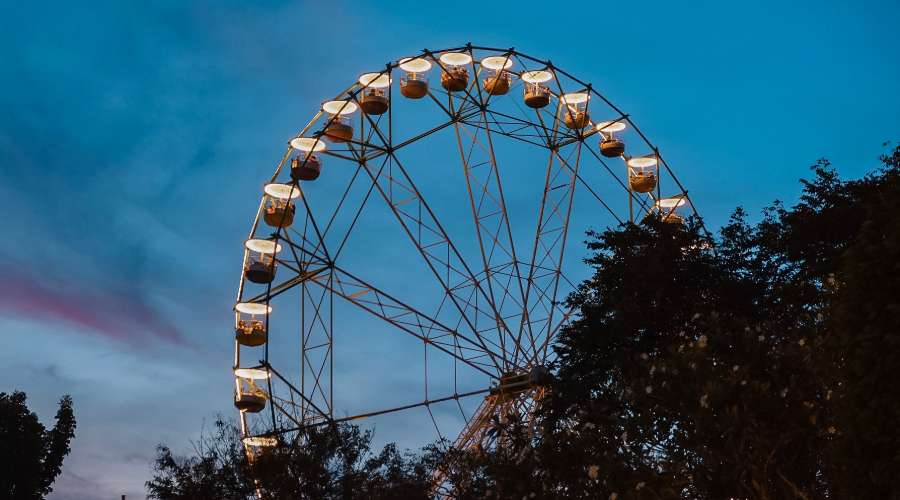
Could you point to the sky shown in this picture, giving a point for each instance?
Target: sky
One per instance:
(135, 138)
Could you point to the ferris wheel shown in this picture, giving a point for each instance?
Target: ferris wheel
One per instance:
(423, 230)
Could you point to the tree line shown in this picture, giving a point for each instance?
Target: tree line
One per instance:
(756, 363)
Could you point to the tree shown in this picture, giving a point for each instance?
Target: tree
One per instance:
(337, 462)
(31, 456)
(328, 462)
(759, 364)
(218, 470)
(846, 234)
(686, 374)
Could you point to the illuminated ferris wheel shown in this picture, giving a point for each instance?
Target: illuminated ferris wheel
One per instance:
(432, 220)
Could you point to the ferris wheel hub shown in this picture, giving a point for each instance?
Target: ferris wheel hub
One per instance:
(514, 383)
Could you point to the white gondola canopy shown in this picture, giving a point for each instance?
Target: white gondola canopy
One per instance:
(375, 80)
(672, 202)
(261, 441)
(263, 246)
(539, 76)
(575, 98)
(251, 373)
(282, 191)
(417, 65)
(252, 308)
(611, 126)
(642, 161)
(497, 63)
(308, 144)
(339, 107)
(456, 58)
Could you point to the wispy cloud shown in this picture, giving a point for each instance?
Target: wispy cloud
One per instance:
(123, 316)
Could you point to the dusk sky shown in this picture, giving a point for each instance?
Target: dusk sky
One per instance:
(135, 138)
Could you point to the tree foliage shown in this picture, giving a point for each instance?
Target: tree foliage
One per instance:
(851, 238)
(758, 364)
(31, 456)
(329, 462)
(684, 375)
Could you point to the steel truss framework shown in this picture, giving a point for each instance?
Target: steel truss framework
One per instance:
(499, 313)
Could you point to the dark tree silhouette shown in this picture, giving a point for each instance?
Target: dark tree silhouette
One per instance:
(31, 456)
(338, 463)
(847, 235)
(327, 463)
(217, 470)
(686, 374)
(760, 364)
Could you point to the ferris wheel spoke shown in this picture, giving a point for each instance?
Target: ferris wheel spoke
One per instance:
(321, 413)
(491, 220)
(550, 239)
(512, 134)
(281, 405)
(423, 221)
(305, 250)
(359, 210)
(470, 99)
(542, 341)
(546, 133)
(396, 409)
(641, 201)
(316, 342)
(431, 240)
(541, 351)
(288, 284)
(404, 317)
(540, 130)
(309, 223)
(453, 118)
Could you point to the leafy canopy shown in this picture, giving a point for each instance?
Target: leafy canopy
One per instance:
(31, 456)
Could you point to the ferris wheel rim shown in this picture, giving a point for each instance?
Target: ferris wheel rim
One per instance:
(383, 79)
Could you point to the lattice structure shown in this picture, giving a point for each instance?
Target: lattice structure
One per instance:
(497, 288)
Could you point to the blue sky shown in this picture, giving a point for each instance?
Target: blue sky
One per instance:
(134, 138)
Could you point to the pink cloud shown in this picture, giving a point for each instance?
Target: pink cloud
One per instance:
(121, 316)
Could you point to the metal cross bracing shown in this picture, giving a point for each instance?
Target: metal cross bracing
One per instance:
(495, 319)
(321, 282)
(502, 276)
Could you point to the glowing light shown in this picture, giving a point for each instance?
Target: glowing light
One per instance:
(642, 161)
(261, 441)
(251, 373)
(456, 58)
(339, 107)
(539, 76)
(575, 98)
(308, 144)
(417, 65)
(375, 80)
(497, 62)
(262, 246)
(252, 308)
(282, 191)
(672, 202)
(611, 126)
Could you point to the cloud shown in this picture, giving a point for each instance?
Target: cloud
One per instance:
(123, 316)
(71, 486)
